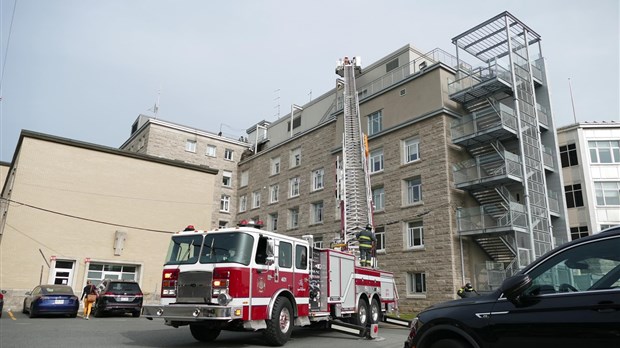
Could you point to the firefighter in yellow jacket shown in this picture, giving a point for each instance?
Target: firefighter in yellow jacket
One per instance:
(365, 239)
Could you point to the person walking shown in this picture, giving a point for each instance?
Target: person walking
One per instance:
(366, 238)
(89, 296)
(467, 291)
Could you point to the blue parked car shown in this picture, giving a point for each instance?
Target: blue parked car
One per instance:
(51, 299)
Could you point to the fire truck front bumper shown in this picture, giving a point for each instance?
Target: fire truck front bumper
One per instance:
(192, 312)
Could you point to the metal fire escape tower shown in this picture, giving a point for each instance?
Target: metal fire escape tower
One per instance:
(355, 197)
(505, 132)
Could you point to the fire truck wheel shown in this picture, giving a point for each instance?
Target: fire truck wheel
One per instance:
(280, 325)
(361, 317)
(204, 334)
(375, 311)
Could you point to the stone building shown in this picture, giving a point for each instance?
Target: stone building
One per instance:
(164, 139)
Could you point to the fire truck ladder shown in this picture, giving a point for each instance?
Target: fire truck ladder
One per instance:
(355, 186)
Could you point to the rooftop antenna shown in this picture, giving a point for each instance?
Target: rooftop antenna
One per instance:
(310, 94)
(155, 108)
(572, 101)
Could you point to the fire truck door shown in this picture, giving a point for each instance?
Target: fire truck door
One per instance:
(284, 265)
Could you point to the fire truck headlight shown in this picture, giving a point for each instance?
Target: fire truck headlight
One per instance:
(223, 299)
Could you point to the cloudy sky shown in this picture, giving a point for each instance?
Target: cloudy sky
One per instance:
(85, 69)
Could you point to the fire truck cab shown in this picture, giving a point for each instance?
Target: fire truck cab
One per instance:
(245, 278)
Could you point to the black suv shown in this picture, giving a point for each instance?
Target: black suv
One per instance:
(569, 297)
(118, 296)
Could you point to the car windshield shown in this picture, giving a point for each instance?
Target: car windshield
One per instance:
(184, 250)
(227, 247)
(56, 290)
(587, 267)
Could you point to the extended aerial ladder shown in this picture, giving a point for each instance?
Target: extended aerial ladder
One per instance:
(353, 191)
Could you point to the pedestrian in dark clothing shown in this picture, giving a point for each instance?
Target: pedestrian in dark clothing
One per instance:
(89, 296)
(365, 239)
(467, 291)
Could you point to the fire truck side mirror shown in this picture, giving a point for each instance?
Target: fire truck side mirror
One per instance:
(270, 260)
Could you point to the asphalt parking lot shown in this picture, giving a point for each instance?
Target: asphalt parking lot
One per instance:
(18, 330)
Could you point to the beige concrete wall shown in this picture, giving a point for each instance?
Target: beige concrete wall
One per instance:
(68, 202)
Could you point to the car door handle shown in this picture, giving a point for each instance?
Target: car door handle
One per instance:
(606, 309)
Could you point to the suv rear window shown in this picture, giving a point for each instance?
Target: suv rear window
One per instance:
(124, 287)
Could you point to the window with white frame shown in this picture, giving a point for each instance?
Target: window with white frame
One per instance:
(295, 159)
(211, 151)
(243, 203)
(225, 203)
(255, 199)
(245, 176)
(604, 151)
(275, 165)
(607, 193)
(226, 178)
(380, 234)
(413, 189)
(293, 217)
(415, 234)
(317, 179)
(375, 122)
(273, 222)
(416, 283)
(411, 150)
(378, 198)
(228, 154)
(293, 187)
(274, 193)
(222, 224)
(376, 161)
(190, 145)
(318, 242)
(317, 212)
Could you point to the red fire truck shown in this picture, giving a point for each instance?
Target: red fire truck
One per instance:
(245, 278)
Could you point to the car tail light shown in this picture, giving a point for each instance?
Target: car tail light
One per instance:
(169, 282)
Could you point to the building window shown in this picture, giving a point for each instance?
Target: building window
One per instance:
(317, 212)
(275, 165)
(225, 203)
(318, 242)
(228, 154)
(578, 232)
(606, 226)
(245, 176)
(211, 151)
(391, 65)
(295, 159)
(375, 122)
(573, 196)
(293, 218)
(296, 123)
(416, 283)
(317, 179)
(411, 150)
(255, 199)
(273, 222)
(222, 224)
(605, 151)
(415, 235)
(243, 203)
(274, 193)
(376, 161)
(414, 191)
(380, 234)
(378, 198)
(190, 145)
(294, 187)
(607, 193)
(568, 155)
(226, 178)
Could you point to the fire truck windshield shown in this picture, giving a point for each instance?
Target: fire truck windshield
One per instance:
(227, 247)
(184, 250)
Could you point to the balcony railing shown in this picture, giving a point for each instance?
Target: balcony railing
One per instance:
(548, 158)
(477, 219)
(486, 167)
(474, 77)
(543, 115)
(480, 121)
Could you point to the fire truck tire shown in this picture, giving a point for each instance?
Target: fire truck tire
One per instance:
(280, 325)
(375, 311)
(204, 334)
(361, 316)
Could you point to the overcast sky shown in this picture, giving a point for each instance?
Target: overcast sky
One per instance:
(85, 69)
